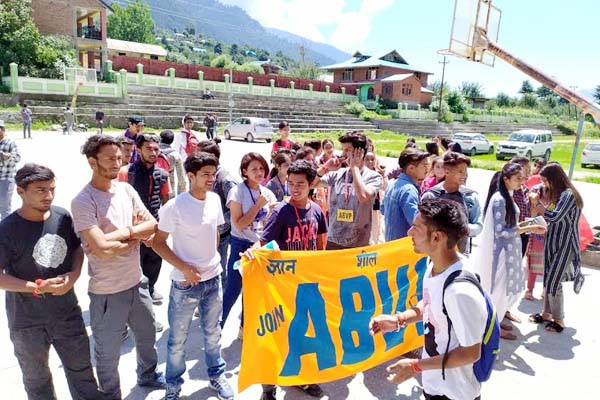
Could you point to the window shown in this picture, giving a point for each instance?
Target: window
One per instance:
(347, 74)
(372, 74)
(388, 89)
(407, 89)
(153, 57)
(418, 75)
(122, 54)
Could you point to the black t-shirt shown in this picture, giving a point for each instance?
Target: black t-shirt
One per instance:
(31, 250)
(290, 233)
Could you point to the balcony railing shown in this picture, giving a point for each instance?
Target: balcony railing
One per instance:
(89, 32)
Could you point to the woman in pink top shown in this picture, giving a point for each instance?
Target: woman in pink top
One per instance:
(436, 175)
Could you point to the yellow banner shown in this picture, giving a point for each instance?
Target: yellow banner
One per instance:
(306, 314)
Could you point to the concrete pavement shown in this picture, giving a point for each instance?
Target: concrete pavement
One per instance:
(537, 365)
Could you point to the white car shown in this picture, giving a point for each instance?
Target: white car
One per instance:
(250, 128)
(591, 155)
(473, 143)
(526, 143)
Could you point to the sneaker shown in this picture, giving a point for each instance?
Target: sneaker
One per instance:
(157, 298)
(221, 386)
(312, 390)
(172, 393)
(125, 334)
(158, 382)
(270, 394)
(159, 327)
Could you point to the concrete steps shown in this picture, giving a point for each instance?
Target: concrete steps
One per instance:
(165, 107)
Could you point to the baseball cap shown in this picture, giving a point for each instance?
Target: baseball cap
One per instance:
(136, 120)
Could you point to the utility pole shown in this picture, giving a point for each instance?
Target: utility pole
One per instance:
(302, 51)
(441, 95)
(231, 102)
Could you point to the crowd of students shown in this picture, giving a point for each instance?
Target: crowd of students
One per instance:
(306, 197)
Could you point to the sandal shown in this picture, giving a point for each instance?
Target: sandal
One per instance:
(507, 335)
(538, 319)
(511, 317)
(554, 327)
(529, 295)
(506, 327)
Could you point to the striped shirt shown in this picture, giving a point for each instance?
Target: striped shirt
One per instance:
(562, 243)
(8, 168)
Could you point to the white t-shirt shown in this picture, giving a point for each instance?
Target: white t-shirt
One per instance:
(241, 194)
(193, 224)
(468, 312)
(180, 143)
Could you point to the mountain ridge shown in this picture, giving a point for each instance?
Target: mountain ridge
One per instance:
(231, 24)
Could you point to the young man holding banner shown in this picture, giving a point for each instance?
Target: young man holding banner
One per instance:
(437, 228)
(298, 224)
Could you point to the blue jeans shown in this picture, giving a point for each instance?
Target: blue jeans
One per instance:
(223, 248)
(6, 192)
(234, 278)
(207, 296)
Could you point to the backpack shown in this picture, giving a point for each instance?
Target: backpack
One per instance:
(163, 162)
(490, 342)
(191, 143)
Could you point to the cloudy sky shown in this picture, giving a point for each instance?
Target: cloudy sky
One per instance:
(556, 36)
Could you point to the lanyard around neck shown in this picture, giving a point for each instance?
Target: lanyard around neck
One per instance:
(302, 225)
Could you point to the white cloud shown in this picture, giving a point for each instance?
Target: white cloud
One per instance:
(304, 17)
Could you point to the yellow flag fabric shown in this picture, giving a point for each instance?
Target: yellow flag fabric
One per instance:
(306, 314)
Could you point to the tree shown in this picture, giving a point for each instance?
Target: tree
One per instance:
(456, 102)
(21, 42)
(544, 92)
(306, 71)
(233, 50)
(218, 49)
(597, 94)
(134, 23)
(503, 100)
(190, 29)
(435, 88)
(222, 61)
(526, 87)
(471, 89)
(528, 100)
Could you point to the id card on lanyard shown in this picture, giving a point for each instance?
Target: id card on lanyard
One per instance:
(261, 212)
(304, 233)
(346, 214)
(284, 189)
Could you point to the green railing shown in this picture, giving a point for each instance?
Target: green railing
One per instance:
(25, 84)
(483, 116)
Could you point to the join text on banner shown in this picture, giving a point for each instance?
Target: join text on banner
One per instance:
(306, 314)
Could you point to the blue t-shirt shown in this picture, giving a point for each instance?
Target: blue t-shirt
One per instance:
(295, 232)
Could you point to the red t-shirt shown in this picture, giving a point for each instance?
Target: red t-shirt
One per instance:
(280, 144)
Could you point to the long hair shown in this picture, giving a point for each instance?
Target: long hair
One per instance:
(493, 188)
(508, 171)
(279, 159)
(558, 182)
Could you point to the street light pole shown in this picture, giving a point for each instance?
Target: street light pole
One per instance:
(441, 94)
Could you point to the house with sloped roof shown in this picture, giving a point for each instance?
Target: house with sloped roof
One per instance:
(387, 75)
(135, 49)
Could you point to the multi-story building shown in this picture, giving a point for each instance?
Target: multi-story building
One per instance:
(387, 75)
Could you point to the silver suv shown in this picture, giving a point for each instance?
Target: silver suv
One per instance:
(527, 143)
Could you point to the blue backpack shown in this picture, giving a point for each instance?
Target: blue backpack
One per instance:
(491, 336)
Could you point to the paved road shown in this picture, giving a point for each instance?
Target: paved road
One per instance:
(537, 365)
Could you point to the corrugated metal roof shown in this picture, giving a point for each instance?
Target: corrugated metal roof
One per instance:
(135, 47)
(373, 61)
(397, 77)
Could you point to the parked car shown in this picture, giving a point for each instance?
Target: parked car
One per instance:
(250, 129)
(528, 143)
(591, 155)
(473, 143)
